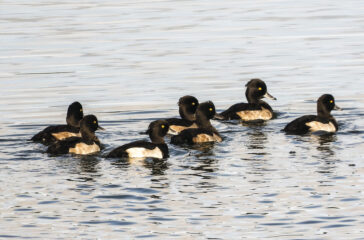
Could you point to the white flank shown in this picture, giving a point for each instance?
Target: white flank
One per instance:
(319, 126)
(175, 129)
(83, 149)
(217, 138)
(200, 138)
(251, 115)
(139, 152)
(64, 135)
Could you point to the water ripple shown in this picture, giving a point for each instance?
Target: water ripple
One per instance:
(114, 223)
(122, 196)
(128, 62)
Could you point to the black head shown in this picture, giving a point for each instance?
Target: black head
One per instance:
(325, 104)
(74, 114)
(256, 90)
(206, 109)
(90, 123)
(187, 107)
(157, 130)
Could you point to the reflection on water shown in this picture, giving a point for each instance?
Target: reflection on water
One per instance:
(128, 63)
(325, 144)
(156, 166)
(200, 150)
(88, 164)
(257, 140)
(326, 154)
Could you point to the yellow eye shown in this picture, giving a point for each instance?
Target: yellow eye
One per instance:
(162, 126)
(81, 110)
(210, 109)
(193, 104)
(260, 89)
(95, 122)
(331, 101)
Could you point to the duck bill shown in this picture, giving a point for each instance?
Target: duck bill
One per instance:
(336, 107)
(267, 95)
(100, 128)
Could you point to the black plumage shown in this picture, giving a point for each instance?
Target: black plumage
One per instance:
(63, 146)
(59, 132)
(187, 108)
(205, 131)
(323, 121)
(255, 109)
(86, 144)
(155, 149)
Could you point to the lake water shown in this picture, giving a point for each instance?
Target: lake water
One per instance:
(128, 62)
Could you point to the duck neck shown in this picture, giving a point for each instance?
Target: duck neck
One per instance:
(250, 96)
(186, 115)
(88, 136)
(322, 111)
(202, 121)
(155, 138)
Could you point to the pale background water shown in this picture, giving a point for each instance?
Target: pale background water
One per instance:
(128, 63)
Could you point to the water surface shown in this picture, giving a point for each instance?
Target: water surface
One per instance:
(128, 63)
